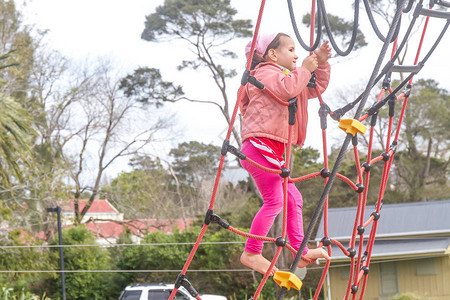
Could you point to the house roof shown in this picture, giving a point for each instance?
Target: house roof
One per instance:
(98, 206)
(385, 249)
(138, 227)
(405, 219)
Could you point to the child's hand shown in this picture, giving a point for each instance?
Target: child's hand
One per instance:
(311, 63)
(323, 53)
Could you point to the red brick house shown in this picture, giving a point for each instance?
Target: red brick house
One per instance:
(107, 223)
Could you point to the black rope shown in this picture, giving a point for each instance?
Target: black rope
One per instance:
(379, 104)
(390, 63)
(338, 113)
(408, 31)
(371, 83)
(342, 111)
(374, 24)
(297, 33)
(386, 68)
(409, 6)
(322, 9)
(400, 47)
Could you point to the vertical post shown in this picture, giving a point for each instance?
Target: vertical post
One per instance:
(61, 255)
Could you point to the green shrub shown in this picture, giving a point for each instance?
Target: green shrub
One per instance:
(9, 293)
(406, 296)
(83, 285)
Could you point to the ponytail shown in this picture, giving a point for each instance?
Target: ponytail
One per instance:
(256, 60)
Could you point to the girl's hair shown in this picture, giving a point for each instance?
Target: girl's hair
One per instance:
(274, 44)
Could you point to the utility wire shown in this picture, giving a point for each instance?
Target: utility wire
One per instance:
(207, 270)
(192, 243)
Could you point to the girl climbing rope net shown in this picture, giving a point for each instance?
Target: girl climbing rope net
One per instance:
(265, 135)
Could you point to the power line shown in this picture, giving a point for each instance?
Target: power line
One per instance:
(206, 270)
(122, 271)
(117, 245)
(190, 243)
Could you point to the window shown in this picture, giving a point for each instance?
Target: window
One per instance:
(158, 295)
(388, 279)
(131, 295)
(181, 296)
(426, 267)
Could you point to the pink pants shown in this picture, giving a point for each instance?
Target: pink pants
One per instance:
(271, 188)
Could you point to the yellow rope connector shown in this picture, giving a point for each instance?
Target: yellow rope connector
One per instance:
(352, 126)
(287, 280)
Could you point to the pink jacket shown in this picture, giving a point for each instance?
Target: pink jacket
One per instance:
(263, 116)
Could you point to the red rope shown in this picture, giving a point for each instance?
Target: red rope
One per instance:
(294, 252)
(191, 256)
(363, 117)
(313, 22)
(347, 180)
(269, 170)
(285, 184)
(266, 276)
(284, 103)
(389, 163)
(389, 133)
(380, 95)
(255, 34)
(324, 274)
(216, 182)
(352, 270)
(305, 177)
(358, 169)
(337, 243)
(253, 236)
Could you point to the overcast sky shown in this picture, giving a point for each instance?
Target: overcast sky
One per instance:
(82, 29)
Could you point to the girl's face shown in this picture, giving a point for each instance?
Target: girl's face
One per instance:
(285, 54)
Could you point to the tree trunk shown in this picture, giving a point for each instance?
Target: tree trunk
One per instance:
(426, 170)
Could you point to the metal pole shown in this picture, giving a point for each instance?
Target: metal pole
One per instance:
(61, 255)
(329, 286)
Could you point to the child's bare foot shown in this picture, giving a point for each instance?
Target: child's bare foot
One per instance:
(257, 262)
(313, 254)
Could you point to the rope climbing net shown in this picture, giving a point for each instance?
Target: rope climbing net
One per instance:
(359, 258)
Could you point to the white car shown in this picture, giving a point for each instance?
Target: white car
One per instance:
(160, 291)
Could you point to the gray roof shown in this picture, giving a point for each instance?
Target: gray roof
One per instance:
(404, 219)
(433, 246)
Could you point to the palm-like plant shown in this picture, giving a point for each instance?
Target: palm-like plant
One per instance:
(15, 133)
